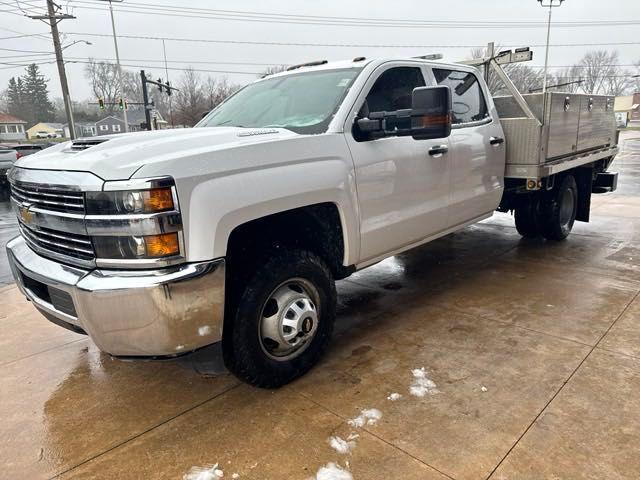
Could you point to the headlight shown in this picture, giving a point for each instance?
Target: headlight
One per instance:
(135, 223)
(132, 248)
(127, 202)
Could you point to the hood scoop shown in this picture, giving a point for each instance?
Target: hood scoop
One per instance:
(84, 143)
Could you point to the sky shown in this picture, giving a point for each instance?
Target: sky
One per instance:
(248, 21)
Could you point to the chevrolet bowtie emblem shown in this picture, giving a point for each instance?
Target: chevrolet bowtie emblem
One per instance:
(25, 215)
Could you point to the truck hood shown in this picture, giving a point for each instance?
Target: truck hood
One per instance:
(118, 157)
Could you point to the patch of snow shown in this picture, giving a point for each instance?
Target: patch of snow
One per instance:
(353, 436)
(331, 471)
(340, 445)
(422, 384)
(204, 473)
(206, 330)
(484, 389)
(394, 396)
(368, 416)
(235, 475)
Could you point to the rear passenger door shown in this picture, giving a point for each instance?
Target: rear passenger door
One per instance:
(476, 144)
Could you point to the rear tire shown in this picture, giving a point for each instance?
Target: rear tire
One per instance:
(526, 218)
(282, 319)
(559, 210)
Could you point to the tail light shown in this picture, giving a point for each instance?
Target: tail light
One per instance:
(18, 155)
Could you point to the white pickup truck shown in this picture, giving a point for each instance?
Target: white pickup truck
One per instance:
(158, 243)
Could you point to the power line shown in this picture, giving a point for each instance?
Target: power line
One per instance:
(343, 45)
(262, 17)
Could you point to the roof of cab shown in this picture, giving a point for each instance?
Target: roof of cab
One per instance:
(357, 62)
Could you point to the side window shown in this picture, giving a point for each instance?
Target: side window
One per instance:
(391, 91)
(466, 95)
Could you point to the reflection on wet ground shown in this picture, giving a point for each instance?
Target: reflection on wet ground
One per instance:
(533, 347)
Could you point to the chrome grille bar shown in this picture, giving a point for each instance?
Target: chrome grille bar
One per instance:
(74, 246)
(51, 199)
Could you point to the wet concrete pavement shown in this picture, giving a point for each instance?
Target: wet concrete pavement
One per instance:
(534, 349)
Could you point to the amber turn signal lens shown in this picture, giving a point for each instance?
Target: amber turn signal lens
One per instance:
(163, 245)
(158, 200)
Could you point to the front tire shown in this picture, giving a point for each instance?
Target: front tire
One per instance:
(559, 210)
(282, 318)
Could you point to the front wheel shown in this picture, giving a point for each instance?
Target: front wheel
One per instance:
(282, 319)
(559, 210)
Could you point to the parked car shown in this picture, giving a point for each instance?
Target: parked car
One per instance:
(43, 134)
(29, 148)
(8, 156)
(159, 243)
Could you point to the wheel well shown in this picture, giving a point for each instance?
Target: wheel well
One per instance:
(314, 227)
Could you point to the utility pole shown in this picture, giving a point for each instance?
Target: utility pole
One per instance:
(115, 43)
(52, 18)
(551, 4)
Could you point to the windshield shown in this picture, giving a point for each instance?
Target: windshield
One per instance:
(304, 103)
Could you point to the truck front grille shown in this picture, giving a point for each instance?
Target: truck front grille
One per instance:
(48, 198)
(45, 240)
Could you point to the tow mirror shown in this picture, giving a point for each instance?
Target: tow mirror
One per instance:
(431, 112)
(429, 117)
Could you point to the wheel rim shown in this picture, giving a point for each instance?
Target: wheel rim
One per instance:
(289, 319)
(567, 207)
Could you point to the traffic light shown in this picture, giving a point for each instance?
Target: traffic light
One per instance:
(168, 88)
(121, 104)
(160, 85)
(101, 103)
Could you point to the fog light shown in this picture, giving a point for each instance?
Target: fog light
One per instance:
(162, 245)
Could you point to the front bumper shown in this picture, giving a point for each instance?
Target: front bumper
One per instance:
(127, 313)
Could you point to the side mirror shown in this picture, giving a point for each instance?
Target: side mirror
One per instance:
(431, 112)
(429, 117)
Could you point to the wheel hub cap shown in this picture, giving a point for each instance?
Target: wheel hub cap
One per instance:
(289, 320)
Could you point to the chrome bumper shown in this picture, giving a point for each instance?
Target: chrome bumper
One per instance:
(127, 313)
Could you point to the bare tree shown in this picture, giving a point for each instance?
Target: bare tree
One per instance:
(601, 73)
(217, 90)
(189, 103)
(103, 77)
(275, 69)
(106, 85)
(570, 80)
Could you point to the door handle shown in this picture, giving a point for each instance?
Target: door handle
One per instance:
(438, 150)
(496, 140)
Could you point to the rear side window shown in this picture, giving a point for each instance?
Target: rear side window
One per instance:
(467, 99)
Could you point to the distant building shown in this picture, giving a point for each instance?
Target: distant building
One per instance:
(136, 119)
(83, 129)
(45, 130)
(628, 105)
(11, 128)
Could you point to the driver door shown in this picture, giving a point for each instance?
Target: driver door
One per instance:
(403, 187)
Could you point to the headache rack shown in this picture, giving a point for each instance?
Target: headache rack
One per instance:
(547, 133)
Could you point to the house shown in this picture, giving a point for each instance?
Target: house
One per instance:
(628, 106)
(136, 119)
(44, 129)
(11, 128)
(109, 125)
(83, 129)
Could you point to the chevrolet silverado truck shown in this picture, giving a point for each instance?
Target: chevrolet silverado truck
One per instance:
(159, 243)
